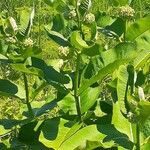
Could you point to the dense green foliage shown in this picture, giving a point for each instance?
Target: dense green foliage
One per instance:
(74, 75)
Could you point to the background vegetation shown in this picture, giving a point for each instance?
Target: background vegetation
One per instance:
(52, 108)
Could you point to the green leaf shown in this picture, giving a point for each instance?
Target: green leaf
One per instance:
(29, 133)
(143, 110)
(93, 50)
(119, 2)
(58, 38)
(143, 45)
(58, 23)
(28, 70)
(77, 41)
(146, 144)
(85, 6)
(8, 88)
(121, 51)
(104, 19)
(118, 26)
(2, 57)
(121, 86)
(120, 122)
(54, 132)
(102, 73)
(50, 74)
(87, 98)
(89, 133)
(113, 134)
(93, 27)
(138, 28)
(67, 104)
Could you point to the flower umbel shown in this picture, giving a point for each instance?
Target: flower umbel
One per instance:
(28, 42)
(89, 18)
(126, 12)
(11, 40)
(72, 14)
(63, 51)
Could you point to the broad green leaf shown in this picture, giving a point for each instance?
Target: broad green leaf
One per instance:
(87, 98)
(120, 122)
(104, 19)
(57, 37)
(28, 70)
(3, 47)
(77, 41)
(121, 86)
(119, 2)
(146, 144)
(113, 134)
(138, 28)
(102, 73)
(143, 110)
(10, 123)
(121, 51)
(143, 44)
(85, 6)
(29, 133)
(8, 88)
(54, 132)
(92, 51)
(44, 108)
(50, 74)
(93, 27)
(89, 133)
(67, 104)
(3, 130)
(2, 57)
(118, 26)
(58, 23)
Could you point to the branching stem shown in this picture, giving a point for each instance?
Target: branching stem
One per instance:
(27, 96)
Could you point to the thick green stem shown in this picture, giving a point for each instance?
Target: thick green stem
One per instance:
(79, 20)
(76, 86)
(39, 24)
(125, 28)
(137, 137)
(140, 5)
(27, 96)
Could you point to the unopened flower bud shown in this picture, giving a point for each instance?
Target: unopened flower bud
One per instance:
(13, 23)
(11, 40)
(28, 42)
(126, 12)
(63, 51)
(60, 63)
(141, 93)
(89, 18)
(72, 14)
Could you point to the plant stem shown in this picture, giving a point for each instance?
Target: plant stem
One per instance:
(79, 19)
(76, 86)
(39, 24)
(137, 137)
(27, 96)
(124, 36)
(140, 5)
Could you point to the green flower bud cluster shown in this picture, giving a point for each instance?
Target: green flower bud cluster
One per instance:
(28, 42)
(89, 18)
(72, 14)
(125, 12)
